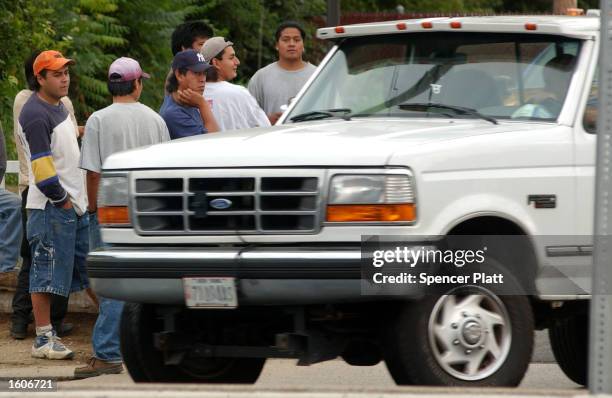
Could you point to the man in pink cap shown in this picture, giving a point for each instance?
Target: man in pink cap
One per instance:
(124, 125)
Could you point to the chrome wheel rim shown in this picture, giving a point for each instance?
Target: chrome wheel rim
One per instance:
(470, 333)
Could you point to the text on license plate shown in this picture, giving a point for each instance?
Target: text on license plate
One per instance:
(210, 292)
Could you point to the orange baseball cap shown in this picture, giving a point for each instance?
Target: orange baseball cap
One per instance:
(51, 60)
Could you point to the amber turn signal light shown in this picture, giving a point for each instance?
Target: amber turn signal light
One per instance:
(403, 212)
(113, 215)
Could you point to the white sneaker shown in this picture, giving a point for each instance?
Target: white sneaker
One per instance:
(49, 346)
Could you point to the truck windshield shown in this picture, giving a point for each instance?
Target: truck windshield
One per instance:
(497, 75)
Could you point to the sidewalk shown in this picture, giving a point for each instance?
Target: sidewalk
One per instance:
(58, 372)
(16, 358)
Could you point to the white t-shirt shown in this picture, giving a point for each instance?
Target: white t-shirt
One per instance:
(20, 100)
(49, 141)
(234, 107)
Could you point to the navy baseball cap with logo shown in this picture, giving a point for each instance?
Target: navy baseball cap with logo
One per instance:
(190, 59)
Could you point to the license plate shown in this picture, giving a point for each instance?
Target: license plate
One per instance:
(210, 292)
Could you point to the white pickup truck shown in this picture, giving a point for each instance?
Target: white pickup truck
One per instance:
(245, 245)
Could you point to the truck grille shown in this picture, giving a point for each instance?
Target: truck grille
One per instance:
(198, 204)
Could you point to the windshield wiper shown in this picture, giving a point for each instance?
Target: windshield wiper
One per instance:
(460, 110)
(323, 114)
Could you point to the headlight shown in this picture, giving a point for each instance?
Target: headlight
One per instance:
(113, 201)
(371, 198)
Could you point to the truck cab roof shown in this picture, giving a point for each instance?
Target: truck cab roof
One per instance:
(573, 26)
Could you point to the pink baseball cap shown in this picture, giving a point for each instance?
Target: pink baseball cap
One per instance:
(125, 69)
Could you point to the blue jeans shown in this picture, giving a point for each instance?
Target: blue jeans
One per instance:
(10, 229)
(105, 338)
(59, 243)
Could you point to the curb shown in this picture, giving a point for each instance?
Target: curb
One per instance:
(56, 372)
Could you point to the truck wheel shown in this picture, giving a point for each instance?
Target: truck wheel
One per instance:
(469, 336)
(146, 364)
(569, 339)
(362, 353)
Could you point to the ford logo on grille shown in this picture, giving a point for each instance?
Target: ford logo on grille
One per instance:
(220, 204)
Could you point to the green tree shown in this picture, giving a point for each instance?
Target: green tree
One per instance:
(90, 33)
(23, 25)
(149, 26)
(96, 32)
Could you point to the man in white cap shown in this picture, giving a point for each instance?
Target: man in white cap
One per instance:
(232, 105)
(124, 125)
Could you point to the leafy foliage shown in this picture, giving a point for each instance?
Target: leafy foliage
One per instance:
(148, 39)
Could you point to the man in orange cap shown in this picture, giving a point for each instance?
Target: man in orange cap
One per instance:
(58, 224)
(22, 302)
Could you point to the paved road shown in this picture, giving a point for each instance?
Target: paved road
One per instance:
(281, 374)
(334, 379)
(541, 348)
(281, 378)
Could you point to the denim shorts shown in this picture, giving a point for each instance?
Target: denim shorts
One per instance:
(59, 240)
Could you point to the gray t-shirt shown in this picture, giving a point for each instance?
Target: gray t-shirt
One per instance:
(273, 86)
(119, 127)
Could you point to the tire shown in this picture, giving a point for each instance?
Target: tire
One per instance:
(569, 339)
(425, 344)
(146, 364)
(362, 353)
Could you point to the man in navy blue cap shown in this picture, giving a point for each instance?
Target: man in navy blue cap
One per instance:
(185, 110)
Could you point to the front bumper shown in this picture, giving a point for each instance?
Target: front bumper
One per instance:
(264, 275)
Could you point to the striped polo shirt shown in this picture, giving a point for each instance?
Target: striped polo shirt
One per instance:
(47, 134)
